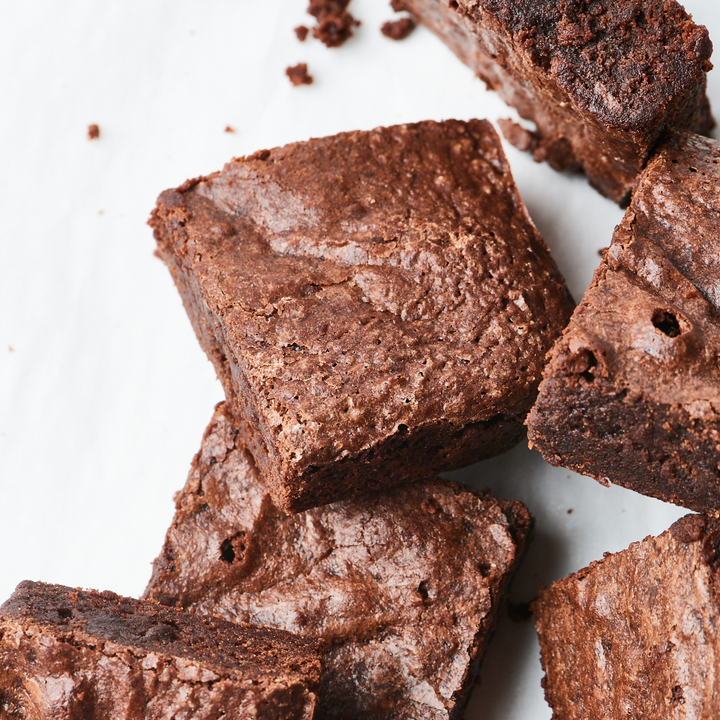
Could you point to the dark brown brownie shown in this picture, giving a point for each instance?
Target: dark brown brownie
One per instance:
(67, 654)
(637, 635)
(600, 79)
(298, 74)
(398, 29)
(632, 391)
(373, 300)
(403, 585)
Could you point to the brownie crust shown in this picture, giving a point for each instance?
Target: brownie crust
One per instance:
(67, 654)
(404, 586)
(636, 634)
(601, 80)
(632, 391)
(374, 300)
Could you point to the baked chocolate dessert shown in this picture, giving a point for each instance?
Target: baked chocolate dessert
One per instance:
(67, 654)
(637, 635)
(403, 585)
(600, 79)
(632, 390)
(374, 300)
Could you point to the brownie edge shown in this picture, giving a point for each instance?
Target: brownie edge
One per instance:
(636, 635)
(378, 305)
(68, 653)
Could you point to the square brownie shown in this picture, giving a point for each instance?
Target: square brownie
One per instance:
(373, 300)
(404, 585)
(67, 654)
(637, 634)
(632, 391)
(601, 80)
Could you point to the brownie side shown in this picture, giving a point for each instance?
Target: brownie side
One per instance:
(404, 585)
(601, 80)
(636, 634)
(632, 391)
(68, 653)
(370, 300)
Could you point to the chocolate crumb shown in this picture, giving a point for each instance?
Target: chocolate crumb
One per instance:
(302, 32)
(570, 511)
(334, 22)
(519, 612)
(10, 348)
(517, 135)
(298, 75)
(689, 528)
(398, 29)
(93, 132)
(229, 129)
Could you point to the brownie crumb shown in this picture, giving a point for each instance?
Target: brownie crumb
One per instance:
(298, 75)
(570, 511)
(10, 348)
(519, 612)
(334, 23)
(302, 32)
(689, 528)
(93, 132)
(229, 129)
(398, 29)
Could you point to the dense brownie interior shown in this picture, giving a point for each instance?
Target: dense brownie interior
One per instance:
(632, 391)
(67, 654)
(403, 585)
(374, 300)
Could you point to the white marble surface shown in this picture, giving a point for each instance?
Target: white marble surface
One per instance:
(104, 391)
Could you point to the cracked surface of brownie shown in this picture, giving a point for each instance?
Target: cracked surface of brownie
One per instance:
(371, 301)
(632, 391)
(600, 79)
(67, 654)
(403, 585)
(636, 635)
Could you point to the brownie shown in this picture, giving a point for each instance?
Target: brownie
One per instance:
(373, 300)
(600, 79)
(403, 585)
(632, 391)
(636, 635)
(67, 654)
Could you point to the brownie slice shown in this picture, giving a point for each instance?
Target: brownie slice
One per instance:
(67, 654)
(637, 634)
(373, 300)
(601, 80)
(632, 391)
(403, 585)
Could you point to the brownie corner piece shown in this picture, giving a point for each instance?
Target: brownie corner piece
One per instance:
(67, 653)
(631, 393)
(636, 634)
(370, 300)
(404, 586)
(601, 81)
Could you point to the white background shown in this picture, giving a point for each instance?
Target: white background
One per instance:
(104, 391)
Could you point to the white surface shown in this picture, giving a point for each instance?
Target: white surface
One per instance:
(104, 391)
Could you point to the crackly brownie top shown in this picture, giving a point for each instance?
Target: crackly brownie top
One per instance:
(636, 634)
(622, 61)
(650, 321)
(409, 573)
(372, 279)
(90, 618)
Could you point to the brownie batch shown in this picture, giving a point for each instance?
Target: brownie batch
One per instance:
(379, 308)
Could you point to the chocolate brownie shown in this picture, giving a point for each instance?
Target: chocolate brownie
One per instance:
(403, 585)
(632, 391)
(637, 634)
(600, 79)
(67, 654)
(373, 300)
